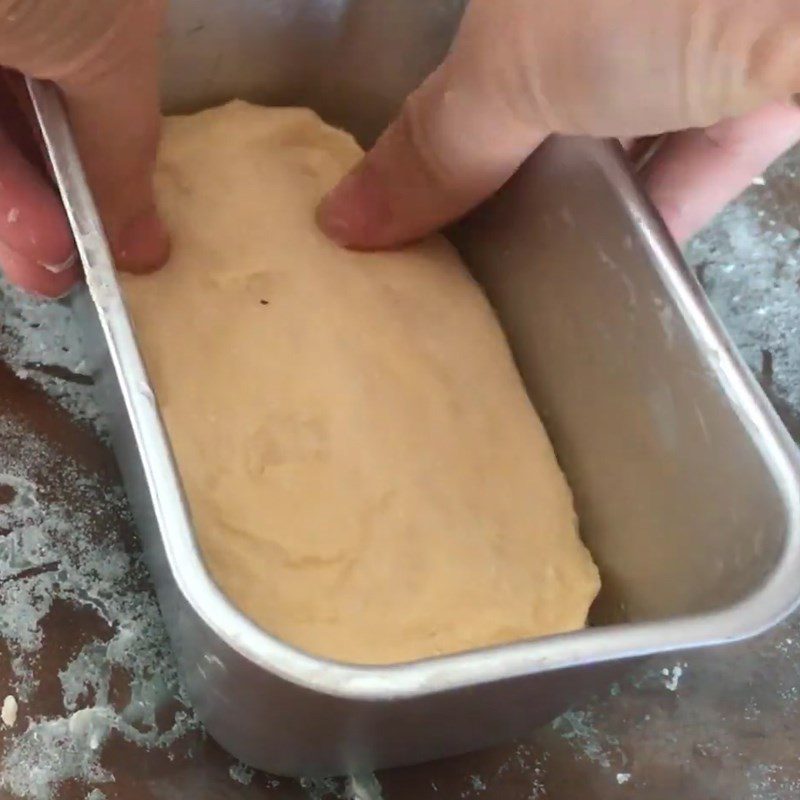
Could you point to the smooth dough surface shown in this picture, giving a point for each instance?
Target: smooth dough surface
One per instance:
(366, 475)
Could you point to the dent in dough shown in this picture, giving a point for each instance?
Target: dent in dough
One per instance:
(366, 475)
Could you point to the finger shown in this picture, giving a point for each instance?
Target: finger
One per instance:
(696, 173)
(37, 249)
(112, 99)
(28, 275)
(453, 144)
(20, 122)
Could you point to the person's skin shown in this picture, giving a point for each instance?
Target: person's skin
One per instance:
(719, 72)
(103, 55)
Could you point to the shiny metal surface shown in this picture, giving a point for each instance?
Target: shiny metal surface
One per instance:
(686, 482)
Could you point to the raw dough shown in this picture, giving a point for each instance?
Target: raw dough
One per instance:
(367, 477)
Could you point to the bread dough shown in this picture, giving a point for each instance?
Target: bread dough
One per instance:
(366, 475)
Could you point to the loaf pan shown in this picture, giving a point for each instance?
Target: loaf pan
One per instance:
(685, 481)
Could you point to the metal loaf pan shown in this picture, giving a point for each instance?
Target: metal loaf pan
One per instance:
(685, 481)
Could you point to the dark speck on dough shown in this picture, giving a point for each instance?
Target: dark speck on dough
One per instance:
(264, 302)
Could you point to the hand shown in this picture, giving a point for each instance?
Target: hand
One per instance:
(718, 74)
(103, 55)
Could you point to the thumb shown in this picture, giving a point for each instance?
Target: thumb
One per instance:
(454, 143)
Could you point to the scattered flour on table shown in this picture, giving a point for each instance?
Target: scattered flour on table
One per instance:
(48, 556)
(770, 782)
(526, 761)
(533, 764)
(241, 773)
(52, 552)
(672, 678)
(355, 787)
(363, 787)
(749, 264)
(41, 341)
(8, 712)
(578, 727)
(323, 788)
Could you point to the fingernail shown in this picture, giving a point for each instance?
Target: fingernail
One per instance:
(143, 245)
(68, 263)
(53, 295)
(354, 213)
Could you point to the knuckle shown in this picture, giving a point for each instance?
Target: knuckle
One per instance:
(55, 39)
(16, 14)
(743, 59)
(419, 126)
(772, 59)
(19, 23)
(523, 91)
(524, 78)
